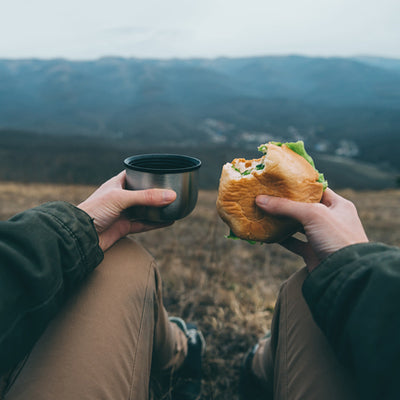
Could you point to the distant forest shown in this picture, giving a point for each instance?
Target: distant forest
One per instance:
(27, 157)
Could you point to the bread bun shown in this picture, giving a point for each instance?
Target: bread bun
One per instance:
(280, 172)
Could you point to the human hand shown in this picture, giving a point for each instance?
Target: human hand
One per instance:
(329, 225)
(107, 203)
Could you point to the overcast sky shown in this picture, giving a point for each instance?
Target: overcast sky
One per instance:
(88, 29)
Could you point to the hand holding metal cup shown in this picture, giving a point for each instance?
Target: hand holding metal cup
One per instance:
(179, 173)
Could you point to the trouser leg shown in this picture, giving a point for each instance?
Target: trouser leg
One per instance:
(298, 360)
(102, 343)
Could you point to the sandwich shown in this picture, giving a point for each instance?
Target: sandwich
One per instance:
(284, 170)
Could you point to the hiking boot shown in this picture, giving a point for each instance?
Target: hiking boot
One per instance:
(187, 379)
(250, 386)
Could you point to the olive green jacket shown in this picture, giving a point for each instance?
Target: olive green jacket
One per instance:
(354, 296)
(45, 253)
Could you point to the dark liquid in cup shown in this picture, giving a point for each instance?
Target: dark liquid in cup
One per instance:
(162, 163)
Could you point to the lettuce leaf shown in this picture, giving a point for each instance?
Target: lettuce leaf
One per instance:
(234, 237)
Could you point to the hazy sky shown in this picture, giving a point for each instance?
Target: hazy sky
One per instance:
(87, 29)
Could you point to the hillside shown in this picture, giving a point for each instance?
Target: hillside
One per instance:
(230, 101)
(228, 287)
(31, 157)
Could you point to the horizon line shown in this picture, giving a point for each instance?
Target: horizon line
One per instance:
(171, 58)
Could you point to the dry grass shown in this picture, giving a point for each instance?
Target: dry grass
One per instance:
(227, 287)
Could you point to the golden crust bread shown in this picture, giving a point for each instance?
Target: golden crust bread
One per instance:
(285, 174)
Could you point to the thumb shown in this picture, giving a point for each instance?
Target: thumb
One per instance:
(287, 208)
(148, 197)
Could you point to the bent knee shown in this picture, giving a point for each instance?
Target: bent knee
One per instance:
(129, 259)
(295, 282)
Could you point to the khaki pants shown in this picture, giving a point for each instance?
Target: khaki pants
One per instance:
(297, 362)
(114, 332)
(104, 343)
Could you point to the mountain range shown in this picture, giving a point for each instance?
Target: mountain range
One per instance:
(338, 106)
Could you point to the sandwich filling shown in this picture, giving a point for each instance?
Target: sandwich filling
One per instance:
(247, 167)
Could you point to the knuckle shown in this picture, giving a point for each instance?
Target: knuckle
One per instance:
(148, 196)
(114, 194)
(349, 205)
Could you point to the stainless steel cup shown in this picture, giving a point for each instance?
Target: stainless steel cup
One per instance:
(164, 171)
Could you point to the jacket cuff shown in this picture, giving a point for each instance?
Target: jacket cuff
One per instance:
(79, 226)
(324, 284)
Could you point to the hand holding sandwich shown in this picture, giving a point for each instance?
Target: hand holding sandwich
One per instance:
(329, 225)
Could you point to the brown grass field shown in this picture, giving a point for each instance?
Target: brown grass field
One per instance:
(228, 287)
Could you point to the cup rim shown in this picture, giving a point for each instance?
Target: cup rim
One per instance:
(191, 163)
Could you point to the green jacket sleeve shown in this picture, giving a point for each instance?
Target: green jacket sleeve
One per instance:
(44, 253)
(354, 296)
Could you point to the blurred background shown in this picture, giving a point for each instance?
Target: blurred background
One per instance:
(85, 83)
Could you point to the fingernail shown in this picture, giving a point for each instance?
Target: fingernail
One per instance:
(168, 196)
(262, 200)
